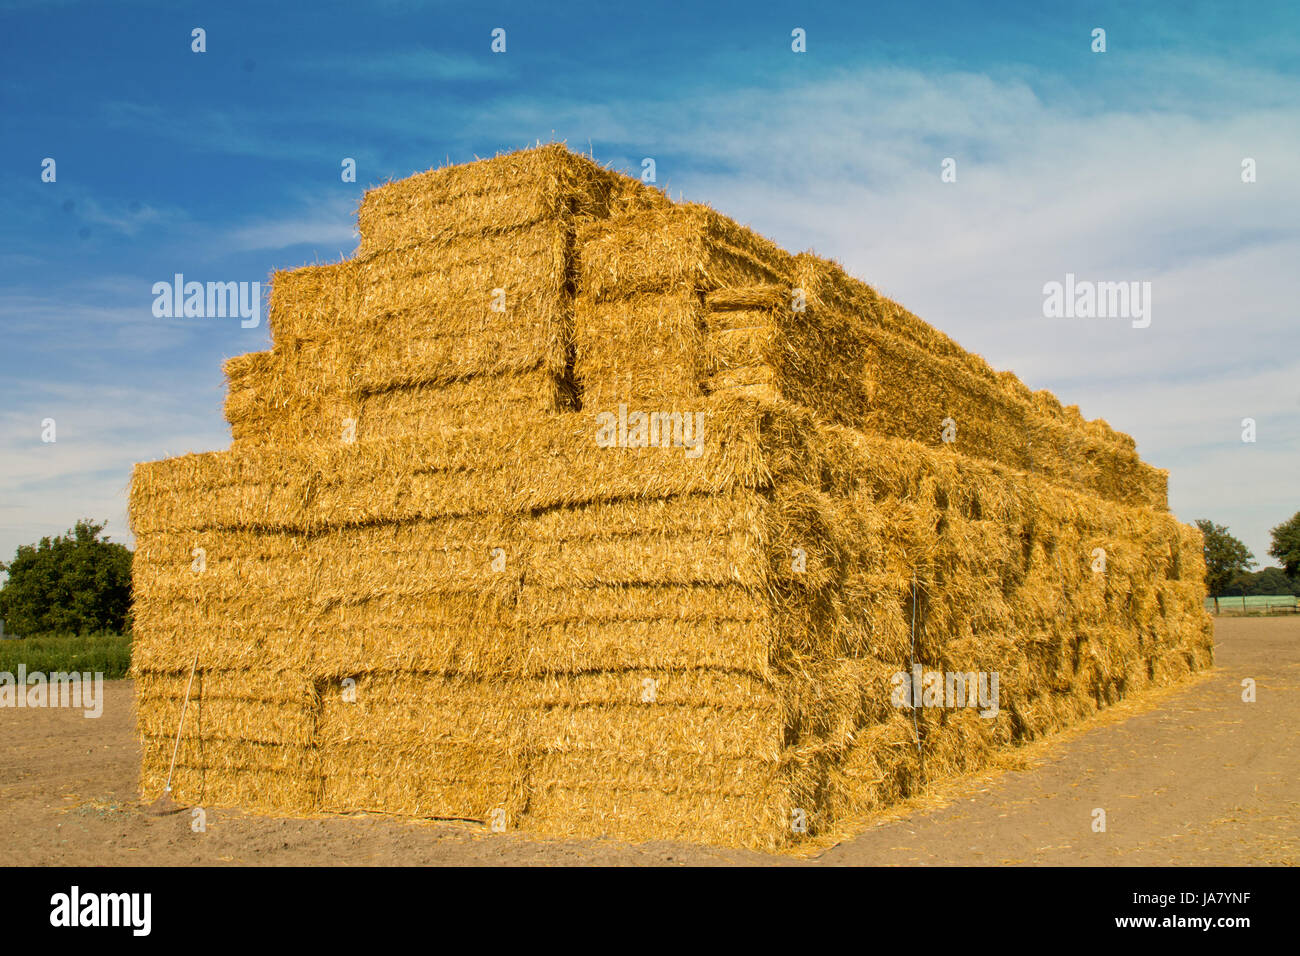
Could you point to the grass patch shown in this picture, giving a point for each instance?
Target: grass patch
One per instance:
(109, 654)
(1254, 602)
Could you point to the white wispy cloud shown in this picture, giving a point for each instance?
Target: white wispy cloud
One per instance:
(416, 65)
(129, 219)
(57, 323)
(101, 431)
(322, 222)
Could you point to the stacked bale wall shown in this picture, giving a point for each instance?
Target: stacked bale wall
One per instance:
(427, 589)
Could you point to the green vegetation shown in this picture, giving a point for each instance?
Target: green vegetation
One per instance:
(1255, 602)
(109, 654)
(1228, 574)
(1286, 546)
(1225, 558)
(74, 584)
(1264, 582)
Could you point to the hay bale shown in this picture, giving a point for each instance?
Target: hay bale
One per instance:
(641, 351)
(313, 303)
(685, 246)
(462, 405)
(507, 192)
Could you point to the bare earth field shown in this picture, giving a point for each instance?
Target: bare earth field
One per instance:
(1196, 776)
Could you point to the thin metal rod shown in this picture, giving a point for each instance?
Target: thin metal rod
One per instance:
(184, 708)
(915, 690)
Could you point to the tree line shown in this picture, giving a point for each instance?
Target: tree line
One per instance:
(1228, 562)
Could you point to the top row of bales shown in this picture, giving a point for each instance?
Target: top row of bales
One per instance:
(428, 315)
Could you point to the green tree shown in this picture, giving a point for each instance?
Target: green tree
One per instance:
(1286, 546)
(77, 583)
(1225, 558)
(1263, 581)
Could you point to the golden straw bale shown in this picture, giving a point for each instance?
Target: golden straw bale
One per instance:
(459, 405)
(494, 195)
(638, 350)
(313, 303)
(686, 246)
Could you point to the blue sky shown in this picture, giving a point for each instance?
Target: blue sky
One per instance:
(225, 166)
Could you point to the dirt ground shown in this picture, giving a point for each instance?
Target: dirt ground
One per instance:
(1196, 776)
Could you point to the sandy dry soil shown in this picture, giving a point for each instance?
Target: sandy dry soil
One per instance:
(1196, 777)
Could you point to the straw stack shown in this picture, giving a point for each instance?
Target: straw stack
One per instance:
(570, 509)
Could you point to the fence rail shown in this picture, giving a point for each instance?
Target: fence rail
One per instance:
(1258, 603)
